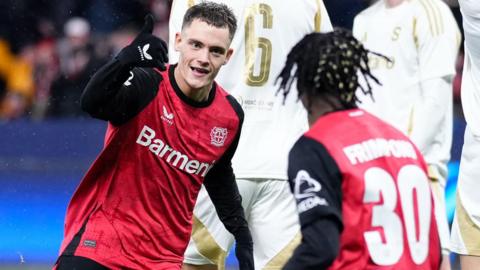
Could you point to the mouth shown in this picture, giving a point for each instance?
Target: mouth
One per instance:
(199, 71)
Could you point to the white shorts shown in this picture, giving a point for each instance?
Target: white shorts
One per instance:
(271, 212)
(465, 235)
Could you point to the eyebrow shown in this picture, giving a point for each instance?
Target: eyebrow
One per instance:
(211, 48)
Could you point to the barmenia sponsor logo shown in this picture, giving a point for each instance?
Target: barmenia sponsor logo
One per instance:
(175, 158)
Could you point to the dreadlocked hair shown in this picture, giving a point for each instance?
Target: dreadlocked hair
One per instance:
(328, 63)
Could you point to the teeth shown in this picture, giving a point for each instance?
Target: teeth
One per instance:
(200, 70)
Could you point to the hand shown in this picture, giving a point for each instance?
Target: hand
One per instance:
(146, 50)
(445, 263)
(244, 253)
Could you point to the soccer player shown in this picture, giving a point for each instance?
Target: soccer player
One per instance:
(421, 38)
(268, 30)
(466, 224)
(170, 130)
(361, 186)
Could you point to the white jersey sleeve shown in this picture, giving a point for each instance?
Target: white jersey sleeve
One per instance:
(266, 32)
(432, 118)
(421, 38)
(438, 43)
(471, 69)
(438, 39)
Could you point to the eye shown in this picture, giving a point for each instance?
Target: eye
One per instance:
(217, 52)
(196, 44)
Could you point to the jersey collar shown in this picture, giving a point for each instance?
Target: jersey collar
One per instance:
(184, 98)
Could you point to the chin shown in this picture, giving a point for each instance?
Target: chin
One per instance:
(198, 84)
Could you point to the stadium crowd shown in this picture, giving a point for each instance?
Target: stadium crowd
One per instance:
(49, 49)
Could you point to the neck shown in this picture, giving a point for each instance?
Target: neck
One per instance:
(322, 106)
(393, 3)
(198, 95)
(313, 116)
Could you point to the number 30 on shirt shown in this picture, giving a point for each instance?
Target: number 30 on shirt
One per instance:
(415, 201)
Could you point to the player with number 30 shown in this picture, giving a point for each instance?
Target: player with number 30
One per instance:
(362, 191)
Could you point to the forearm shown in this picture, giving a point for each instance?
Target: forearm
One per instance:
(319, 248)
(124, 86)
(103, 87)
(117, 94)
(430, 112)
(223, 190)
(228, 204)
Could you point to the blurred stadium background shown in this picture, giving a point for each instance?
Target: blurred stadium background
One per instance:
(48, 50)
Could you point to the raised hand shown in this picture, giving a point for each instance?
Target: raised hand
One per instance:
(146, 50)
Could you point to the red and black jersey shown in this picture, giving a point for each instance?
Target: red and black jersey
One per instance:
(133, 209)
(354, 172)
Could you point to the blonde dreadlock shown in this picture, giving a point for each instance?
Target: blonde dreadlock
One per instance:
(328, 63)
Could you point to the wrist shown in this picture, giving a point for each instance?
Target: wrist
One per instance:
(243, 237)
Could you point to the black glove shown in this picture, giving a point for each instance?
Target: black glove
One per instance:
(244, 251)
(146, 50)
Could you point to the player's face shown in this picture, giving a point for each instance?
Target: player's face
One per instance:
(203, 49)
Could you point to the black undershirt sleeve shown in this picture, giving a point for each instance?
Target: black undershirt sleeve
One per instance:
(315, 181)
(222, 188)
(319, 246)
(117, 93)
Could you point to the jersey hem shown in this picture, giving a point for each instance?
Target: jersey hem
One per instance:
(266, 176)
(464, 251)
(106, 263)
(94, 258)
(197, 261)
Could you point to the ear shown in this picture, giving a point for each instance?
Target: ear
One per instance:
(228, 55)
(178, 40)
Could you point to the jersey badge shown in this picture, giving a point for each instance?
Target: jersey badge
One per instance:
(218, 136)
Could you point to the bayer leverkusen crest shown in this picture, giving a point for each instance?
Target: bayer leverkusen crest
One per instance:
(218, 136)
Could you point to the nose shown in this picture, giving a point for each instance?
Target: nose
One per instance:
(203, 57)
